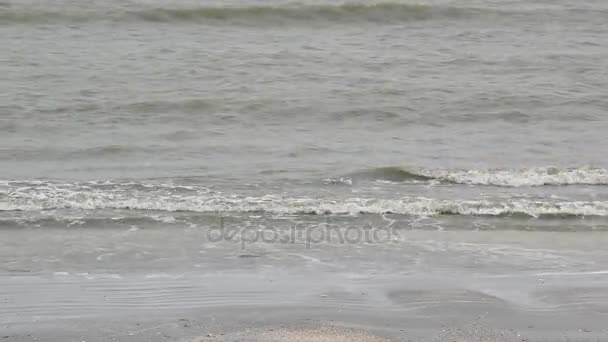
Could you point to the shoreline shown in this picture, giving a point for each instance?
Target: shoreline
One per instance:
(430, 286)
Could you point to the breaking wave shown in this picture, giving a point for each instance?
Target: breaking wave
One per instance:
(46, 196)
(496, 177)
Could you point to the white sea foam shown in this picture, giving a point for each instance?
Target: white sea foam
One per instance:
(538, 176)
(523, 177)
(37, 198)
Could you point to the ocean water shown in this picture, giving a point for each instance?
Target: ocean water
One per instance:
(180, 168)
(462, 114)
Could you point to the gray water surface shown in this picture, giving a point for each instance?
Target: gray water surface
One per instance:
(472, 108)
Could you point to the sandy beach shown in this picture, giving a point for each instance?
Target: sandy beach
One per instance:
(426, 286)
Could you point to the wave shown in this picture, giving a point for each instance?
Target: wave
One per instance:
(383, 12)
(391, 174)
(50, 221)
(102, 151)
(184, 105)
(261, 15)
(539, 176)
(46, 196)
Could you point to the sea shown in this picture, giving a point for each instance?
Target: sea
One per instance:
(393, 159)
(443, 114)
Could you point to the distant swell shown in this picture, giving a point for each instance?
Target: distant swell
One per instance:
(261, 15)
(129, 196)
(494, 177)
(348, 12)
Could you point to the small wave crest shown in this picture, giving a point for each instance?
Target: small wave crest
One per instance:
(337, 13)
(495, 177)
(50, 197)
(260, 15)
(390, 174)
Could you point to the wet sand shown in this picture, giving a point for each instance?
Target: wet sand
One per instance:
(427, 286)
